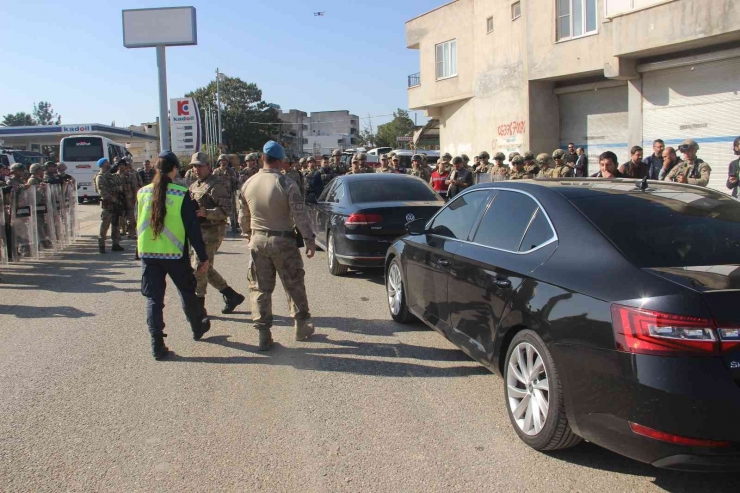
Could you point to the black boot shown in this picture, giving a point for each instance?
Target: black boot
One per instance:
(200, 329)
(265, 340)
(159, 350)
(101, 246)
(232, 299)
(202, 302)
(117, 248)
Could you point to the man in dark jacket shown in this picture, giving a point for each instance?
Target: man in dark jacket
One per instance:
(654, 161)
(734, 171)
(460, 178)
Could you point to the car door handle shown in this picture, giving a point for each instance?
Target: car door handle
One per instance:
(502, 282)
(443, 263)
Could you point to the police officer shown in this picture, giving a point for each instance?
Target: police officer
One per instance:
(499, 171)
(561, 168)
(270, 207)
(692, 170)
(214, 209)
(167, 225)
(109, 188)
(419, 170)
(517, 171)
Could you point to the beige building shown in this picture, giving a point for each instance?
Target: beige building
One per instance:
(140, 150)
(506, 75)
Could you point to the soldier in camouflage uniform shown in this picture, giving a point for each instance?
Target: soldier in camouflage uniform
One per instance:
(483, 166)
(530, 166)
(271, 206)
(214, 209)
(37, 180)
(230, 179)
(499, 171)
(385, 167)
(691, 170)
(517, 171)
(544, 161)
(131, 184)
(419, 169)
(249, 169)
(512, 154)
(109, 189)
(294, 172)
(561, 168)
(357, 168)
(336, 164)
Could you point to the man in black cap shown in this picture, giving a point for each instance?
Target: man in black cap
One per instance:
(460, 178)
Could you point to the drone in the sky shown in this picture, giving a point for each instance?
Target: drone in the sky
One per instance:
(319, 14)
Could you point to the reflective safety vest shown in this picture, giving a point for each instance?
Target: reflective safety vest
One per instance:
(170, 244)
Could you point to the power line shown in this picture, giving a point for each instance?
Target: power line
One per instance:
(332, 121)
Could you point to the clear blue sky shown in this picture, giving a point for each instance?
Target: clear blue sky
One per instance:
(72, 55)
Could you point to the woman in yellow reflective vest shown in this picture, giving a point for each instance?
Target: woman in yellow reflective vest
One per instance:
(167, 226)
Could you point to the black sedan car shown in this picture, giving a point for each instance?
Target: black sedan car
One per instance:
(609, 307)
(357, 217)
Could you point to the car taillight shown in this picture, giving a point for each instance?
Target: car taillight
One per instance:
(675, 439)
(362, 219)
(729, 339)
(648, 332)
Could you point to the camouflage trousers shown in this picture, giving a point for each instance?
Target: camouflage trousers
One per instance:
(109, 220)
(211, 277)
(130, 219)
(270, 256)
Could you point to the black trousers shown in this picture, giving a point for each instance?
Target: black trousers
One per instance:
(154, 284)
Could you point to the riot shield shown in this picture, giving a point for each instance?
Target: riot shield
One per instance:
(58, 213)
(70, 201)
(23, 230)
(3, 231)
(482, 178)
(498, 176)
(44, 219)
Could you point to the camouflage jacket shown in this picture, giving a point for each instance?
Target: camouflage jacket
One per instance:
(228, 177)
(500, 171)
(298, 178)
(129, 186)
(696, 172)
(519, 175)
(422, 173)
(556, 172)
(245, 174)
(531, 169)
(384, 170)
(212, 196)
(109, 187)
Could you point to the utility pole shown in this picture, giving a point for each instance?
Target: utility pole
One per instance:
(218, 103)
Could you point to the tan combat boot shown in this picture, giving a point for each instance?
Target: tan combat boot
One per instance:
(303, 331)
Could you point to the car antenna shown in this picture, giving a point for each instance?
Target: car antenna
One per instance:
(644, 184)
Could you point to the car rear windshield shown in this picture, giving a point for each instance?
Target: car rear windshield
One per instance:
(669, 229)
(363, 191)
(80, 149)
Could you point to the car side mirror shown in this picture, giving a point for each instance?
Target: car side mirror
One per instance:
(417, 227)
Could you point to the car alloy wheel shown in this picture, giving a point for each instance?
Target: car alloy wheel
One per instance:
(528, 388)
(395, 289)
(330, 252)
(335, 268)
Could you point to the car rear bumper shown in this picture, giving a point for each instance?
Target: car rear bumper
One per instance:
(361, 250)
(687, 397)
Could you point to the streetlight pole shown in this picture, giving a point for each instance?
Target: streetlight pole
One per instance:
(218, 103)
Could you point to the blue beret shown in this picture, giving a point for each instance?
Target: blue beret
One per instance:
(169, 156)
(273, 149)
(101, 162)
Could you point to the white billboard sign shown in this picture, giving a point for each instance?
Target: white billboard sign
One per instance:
(185, 126)
(171, 26)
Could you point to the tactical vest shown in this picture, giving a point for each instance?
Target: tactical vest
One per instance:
(170, 244)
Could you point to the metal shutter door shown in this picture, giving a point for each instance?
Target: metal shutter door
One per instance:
(597, 121)
(701, 102)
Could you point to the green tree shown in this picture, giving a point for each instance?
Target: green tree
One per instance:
(45, 115)
(401, 125)
(20, 119)
(247, 121)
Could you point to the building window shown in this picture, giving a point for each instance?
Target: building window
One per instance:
(489, 25)
(446, 56)
(516, 10)
(305, 141)
(576, 18)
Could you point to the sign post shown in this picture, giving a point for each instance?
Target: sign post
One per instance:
(159, 28)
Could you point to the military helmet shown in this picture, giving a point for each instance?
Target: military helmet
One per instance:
(302, 161)
(360, 156)
(222, 157)
(465, 157)
(417, 157)
(16, 167)
(558, 154)
(499, 156)
(512, 154)
(484, 155)
(200, 159)
(543, 158)
(49, 163)
(336, 152)
(311, 159)
(35, 167)
(529, 156)
(446, 156)
(516, 160)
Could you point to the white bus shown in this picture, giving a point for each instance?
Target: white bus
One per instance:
(81, 154)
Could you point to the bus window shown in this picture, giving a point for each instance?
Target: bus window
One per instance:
(80, 149)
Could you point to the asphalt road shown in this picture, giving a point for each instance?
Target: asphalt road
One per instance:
(367, 405)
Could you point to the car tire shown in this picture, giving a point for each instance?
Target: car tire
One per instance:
(396, 293)
(80, 200)
(335, 267)
(539, 384)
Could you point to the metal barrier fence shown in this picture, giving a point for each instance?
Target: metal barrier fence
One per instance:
(38, 221)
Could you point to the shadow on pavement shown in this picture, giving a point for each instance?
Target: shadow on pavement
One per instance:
(595, 457)
(375, 276)
(79, 269)
(22, 311)
(338, 358)
(368, 327)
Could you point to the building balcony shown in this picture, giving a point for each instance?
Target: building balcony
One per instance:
(414, 80)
